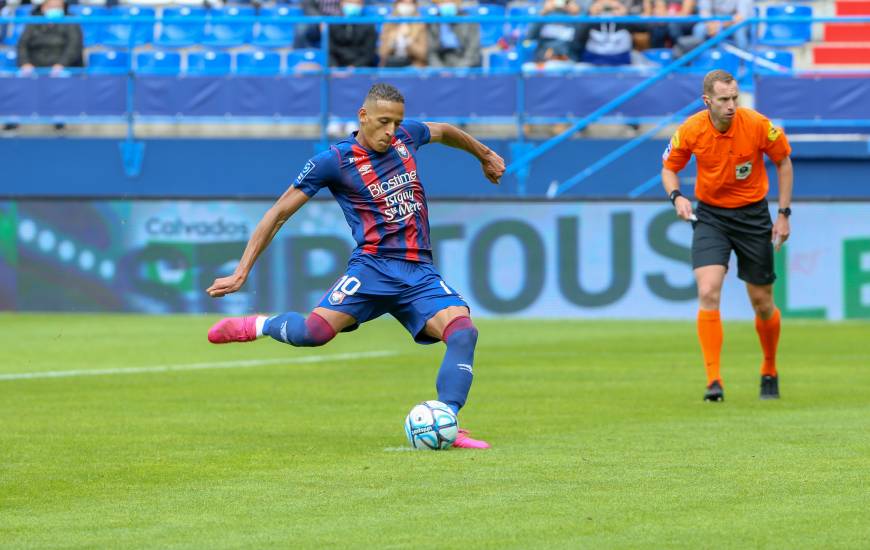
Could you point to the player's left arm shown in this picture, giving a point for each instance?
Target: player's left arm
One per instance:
(785, 176)
(492, 164)
(775, 145)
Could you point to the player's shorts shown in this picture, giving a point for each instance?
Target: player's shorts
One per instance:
(412, 292)
(746, 230)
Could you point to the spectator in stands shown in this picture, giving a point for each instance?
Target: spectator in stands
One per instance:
(737, 10)
(404, 44)
(308, 36)
(666, 34)
(50, 44)
(453, 44)
(559, 42)
(352, 45)
(610, 43)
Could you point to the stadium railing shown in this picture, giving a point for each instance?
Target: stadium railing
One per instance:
(754, 61)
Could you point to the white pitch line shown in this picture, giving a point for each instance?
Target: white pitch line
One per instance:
(243, 364)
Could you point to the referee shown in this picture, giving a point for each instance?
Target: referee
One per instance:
(732, 214)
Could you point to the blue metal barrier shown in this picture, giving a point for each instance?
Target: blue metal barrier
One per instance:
(524, 154)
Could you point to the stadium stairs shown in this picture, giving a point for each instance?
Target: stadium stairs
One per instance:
(845, 44)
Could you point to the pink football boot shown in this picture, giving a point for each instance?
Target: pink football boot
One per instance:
(233, 329)
(463, 441)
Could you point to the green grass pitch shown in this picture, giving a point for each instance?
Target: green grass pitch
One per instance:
(600, 439)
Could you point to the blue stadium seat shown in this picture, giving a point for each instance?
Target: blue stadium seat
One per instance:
(8, 60)
(228, 33)
(787, 34)
(520, 30)
(91, 32)
(209, 63)
(490, 33)
(274, 34)
(378, 10)
(429, 10)
(383, 10)
(178, 34)
(15, 29)
(783, 58)
(662, 56)
(110, 61)
(304, 59)
(258, 62)
(527, 49)
(118, 34)
(504, 60)
(715, 59)
(158, 62)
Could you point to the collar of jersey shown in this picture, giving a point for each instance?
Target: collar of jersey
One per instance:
(729, 133)
(366, 149)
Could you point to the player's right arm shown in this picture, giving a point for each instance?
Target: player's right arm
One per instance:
(316, 174)
(272, 221)
(674, 159)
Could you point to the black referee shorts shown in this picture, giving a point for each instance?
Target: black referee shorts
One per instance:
(746, 230)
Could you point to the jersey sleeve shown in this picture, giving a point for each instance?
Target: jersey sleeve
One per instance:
(417, 131)
(677, 153)
(773, 141)
(318, 173)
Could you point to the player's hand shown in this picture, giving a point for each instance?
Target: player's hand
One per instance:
(683, 206)
(226, 285)
(781, 231)
(493, 167)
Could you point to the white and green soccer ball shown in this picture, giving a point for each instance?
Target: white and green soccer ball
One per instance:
(431, 425)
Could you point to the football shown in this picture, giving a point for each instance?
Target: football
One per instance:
(431, 425)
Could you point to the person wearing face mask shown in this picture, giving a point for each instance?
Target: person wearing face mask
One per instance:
(453, 44)
(50, 44)
(403, 44)
(352, 45)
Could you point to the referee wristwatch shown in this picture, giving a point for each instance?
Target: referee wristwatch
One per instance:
(673, 195)
(785, 211)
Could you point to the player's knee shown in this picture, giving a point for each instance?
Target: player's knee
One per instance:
(464, 338)
(317, 331)
(709, 293)
(460, 332)
(763, 305)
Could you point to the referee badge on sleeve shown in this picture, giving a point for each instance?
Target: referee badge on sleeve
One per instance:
(674, 142)
(772, 132)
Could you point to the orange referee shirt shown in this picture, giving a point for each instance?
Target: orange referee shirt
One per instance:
(730, 165)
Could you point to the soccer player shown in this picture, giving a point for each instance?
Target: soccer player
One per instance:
(732, 214)
(373, 176)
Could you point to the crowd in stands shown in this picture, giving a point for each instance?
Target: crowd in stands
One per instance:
(542, 45)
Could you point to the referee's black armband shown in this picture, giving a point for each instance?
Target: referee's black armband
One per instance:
(673, 196)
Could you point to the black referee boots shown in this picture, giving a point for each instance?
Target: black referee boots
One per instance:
(714, 392)
(769, 387)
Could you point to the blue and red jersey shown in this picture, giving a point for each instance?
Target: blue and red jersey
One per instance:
(380, 193)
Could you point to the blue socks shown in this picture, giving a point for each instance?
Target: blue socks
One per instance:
(296, 330)
(455, 374)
